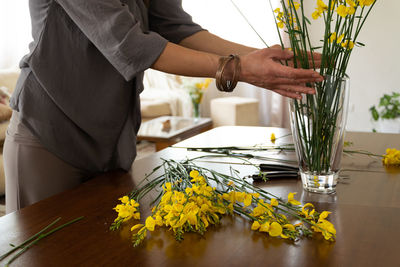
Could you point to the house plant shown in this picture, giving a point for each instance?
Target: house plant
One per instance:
(386, 116)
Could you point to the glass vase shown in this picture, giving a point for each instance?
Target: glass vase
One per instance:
(196, 110)
(318, 125)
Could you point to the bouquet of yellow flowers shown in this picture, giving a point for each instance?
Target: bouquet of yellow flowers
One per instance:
(196, 92)
(192, 198)
(318, 121)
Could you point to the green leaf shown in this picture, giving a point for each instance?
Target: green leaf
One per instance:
(317, 47)
(374, 112)
(360, 44)
(307, 20)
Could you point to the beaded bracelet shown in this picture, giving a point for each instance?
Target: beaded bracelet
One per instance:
(223, 83)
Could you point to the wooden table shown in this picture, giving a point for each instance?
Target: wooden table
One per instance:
(168, 130)
(365, 211)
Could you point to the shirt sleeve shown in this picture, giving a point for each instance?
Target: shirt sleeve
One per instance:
(118, 35)
(168, 18)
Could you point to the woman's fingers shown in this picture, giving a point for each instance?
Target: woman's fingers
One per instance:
(280, 80)
(279, 54)
(292, 73)
(287, 93)
(295, 88)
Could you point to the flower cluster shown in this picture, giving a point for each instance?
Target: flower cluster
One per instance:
(191, 209)
(343, 8)
(128, 209)
(289, 19)
(339, 40)
(192, 205)
(392, 157)
(196, 91)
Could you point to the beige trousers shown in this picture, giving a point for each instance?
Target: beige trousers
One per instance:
(32, 172)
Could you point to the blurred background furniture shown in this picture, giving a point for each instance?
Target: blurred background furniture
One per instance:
(168, 130)
(241, 111)
(8, 79)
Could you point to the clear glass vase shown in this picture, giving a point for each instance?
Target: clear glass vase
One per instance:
(196, 110)
(318, 125)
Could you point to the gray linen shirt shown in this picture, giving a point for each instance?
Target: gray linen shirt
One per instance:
(79, 86)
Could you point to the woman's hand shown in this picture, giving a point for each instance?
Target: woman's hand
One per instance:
(262, 68)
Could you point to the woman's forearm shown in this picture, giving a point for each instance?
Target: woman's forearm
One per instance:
(261, 67)
(208, 42)
(176, 59)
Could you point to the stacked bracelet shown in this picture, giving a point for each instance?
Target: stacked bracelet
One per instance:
(224, 81)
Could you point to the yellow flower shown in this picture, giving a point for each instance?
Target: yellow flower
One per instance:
(392, 157)
(239, 196)
(255, 226)
(342, 11)
(324, 215)
(274, 202)
(351, 3)
(124, 199)
(321, 7)
(167, 186)
(316, 14)
(304, 210)
(273, 138)
(289, 226)
(137, 226)
(194, 174)
(189, 191)
(348, 44)
(363, 3)
(231, 183)
(340, 39)
(150, 223)
(203, 85)
(333, 37)
(351, 10)
(325, 227)
(275, 229)
(158, 220)
(265, 227)
(247, 200)
(291, 199)
(295, 4)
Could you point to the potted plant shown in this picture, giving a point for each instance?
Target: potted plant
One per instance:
(386, 116)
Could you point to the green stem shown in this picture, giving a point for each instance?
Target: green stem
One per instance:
(2, 257)
(41, 236)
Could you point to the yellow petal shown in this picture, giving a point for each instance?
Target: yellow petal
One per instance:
(273, 138)
(124, 199)
(247, 200)
(150, 223)
(275, 229)
(289, 227)
(194, 173)
(255, 225)
(264, 227)
(135, 227)
(324, 215)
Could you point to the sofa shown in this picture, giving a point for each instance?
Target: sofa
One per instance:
(8, 79)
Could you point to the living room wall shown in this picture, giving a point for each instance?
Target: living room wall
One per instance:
(373, 69)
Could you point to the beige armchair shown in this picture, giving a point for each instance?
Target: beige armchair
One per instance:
(8, 79)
